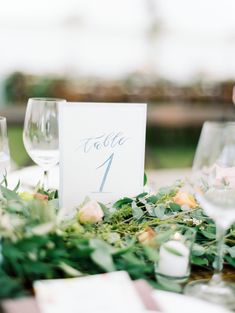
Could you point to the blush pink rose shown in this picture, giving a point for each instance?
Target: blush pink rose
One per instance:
(90, 212)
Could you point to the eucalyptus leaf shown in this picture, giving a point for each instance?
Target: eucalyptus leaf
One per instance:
(208, 234)
(142, 200)
(231, 251)
(163, 236)
(9, 194)
(159, 211)
(197, 260)
(149, 207)
(198, 250)
(137, 212)
(141, 195)
(230, 260)
(121, 202)
(172, 250)
(169, 284)
(125, 249)
(151, 253)
(106, 210)
(175, 207)
(102, 255)
(152, 199)
(69, 270)
(133, 260)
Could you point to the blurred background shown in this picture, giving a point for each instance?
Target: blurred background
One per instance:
(176, 55)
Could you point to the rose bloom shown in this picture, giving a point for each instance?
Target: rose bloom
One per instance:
(146, 236)
(90, 212)
(185, 199)
(40, 196)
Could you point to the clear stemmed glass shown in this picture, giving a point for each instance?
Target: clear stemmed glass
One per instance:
(213, 179)
(4, 149)
(40, 133)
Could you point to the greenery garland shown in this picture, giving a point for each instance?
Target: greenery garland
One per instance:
(36, 244)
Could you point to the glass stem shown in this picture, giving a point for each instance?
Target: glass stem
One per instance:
(218, 263)
(45, 180)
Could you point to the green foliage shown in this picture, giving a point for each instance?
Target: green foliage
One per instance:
(102, 255)
(36, 245)
(169, 285)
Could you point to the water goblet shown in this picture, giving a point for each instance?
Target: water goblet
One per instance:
(213, 180)
(40, 134)
(4, 149)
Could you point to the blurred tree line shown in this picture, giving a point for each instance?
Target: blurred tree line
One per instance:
(168, 145)
(18, 87)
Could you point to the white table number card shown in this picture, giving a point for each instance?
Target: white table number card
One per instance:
(102, 147)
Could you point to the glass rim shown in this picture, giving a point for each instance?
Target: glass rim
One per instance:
(2, 118)
(47, 99)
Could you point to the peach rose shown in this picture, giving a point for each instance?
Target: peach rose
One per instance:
(90, 212)
(40, 196)
(185, 199)
(146, 236)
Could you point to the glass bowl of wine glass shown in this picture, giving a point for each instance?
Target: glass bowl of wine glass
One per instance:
(40, 134)
(213, 181)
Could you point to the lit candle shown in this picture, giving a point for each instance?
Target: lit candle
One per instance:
(173, 259)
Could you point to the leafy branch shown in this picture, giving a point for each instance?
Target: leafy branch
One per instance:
(36, 245)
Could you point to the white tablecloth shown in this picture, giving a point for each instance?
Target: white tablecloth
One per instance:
(30, 176)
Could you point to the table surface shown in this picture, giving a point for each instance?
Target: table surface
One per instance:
(200, 273)
(30, 176)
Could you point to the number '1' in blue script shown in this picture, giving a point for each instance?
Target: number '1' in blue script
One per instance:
(107, 162)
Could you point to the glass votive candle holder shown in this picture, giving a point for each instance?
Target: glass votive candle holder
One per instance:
(174, 243)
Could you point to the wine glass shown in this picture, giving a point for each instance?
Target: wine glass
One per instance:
(4, 149)
(213, 179)
(40, 134)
